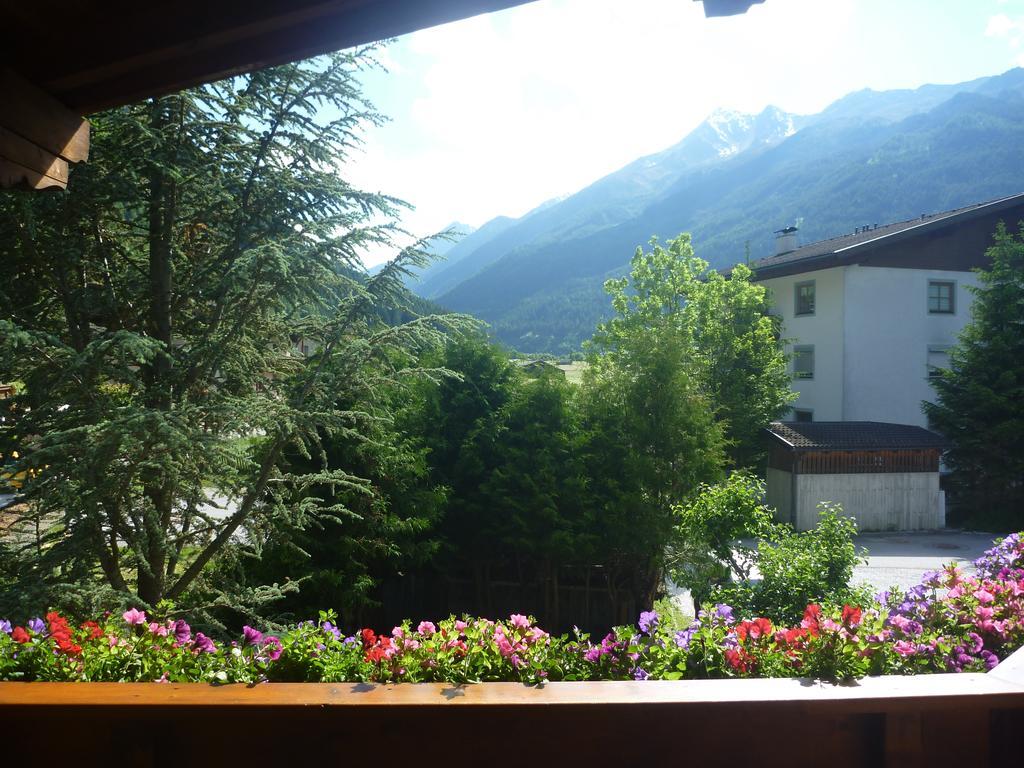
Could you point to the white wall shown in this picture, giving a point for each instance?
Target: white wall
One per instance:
(824, 330)
(887, 334)
(778, 491)
(883, 501)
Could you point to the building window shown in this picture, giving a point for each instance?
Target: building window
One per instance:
(941, 297)
(803, 415)
(938, 359)
(803, 362)
(804, 298)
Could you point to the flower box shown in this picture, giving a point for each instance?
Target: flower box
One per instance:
(964, 719)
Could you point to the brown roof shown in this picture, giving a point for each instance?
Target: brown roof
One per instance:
(854, 436)
(95, 54)
(846, 249)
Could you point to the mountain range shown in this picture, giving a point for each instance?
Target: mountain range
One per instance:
(871, 157)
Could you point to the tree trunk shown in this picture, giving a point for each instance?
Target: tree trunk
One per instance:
(158, 517)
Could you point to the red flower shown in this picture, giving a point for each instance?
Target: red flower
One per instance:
(369, 638)
(812, 617)
(375, 654)
(738, 660)
(95, 630)
(67, 646)
(851, 616)
(794, 636)
(756, 629)
(19, 635)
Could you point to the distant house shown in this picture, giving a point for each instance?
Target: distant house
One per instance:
(884, 475)
(538, 368)
(870, 316)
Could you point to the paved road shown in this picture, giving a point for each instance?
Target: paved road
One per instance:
(900, 558)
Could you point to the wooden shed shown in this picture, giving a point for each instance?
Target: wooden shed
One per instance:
(884, 475)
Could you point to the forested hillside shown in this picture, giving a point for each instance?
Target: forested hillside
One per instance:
(870, 158)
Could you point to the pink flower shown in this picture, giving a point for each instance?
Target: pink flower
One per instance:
(158, 629)
(397, 633)
(461, 626)
(426, 628)
(272, 647)
(134, 616)
(903, 648)
(984, 596)
(519, 621)
(504, 646)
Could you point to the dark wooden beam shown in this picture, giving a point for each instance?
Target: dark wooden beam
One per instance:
(15, 149)
(39, 118)
(16, 176)
(38, 136)
(123, 53)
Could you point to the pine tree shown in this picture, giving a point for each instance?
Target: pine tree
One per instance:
(980, 397)
(155, 315)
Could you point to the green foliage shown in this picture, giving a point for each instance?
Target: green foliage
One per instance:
(980, 397)
(650, 433)
(798, 568)
(153, 311)
(708, 547)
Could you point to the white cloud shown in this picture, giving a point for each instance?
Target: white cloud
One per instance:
(1001, 25)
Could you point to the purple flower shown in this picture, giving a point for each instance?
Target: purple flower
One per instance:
(991, 660)
(37, 625)
(976, 642)
(683, 637)
(593, 654)
(182, 632)
(203, 643)
(332, 630)
(252, 636)
(350, 640)
(134, 616)
(640, 674)
(272, 646)
(724, 612)
(648, 621)
(5, 626)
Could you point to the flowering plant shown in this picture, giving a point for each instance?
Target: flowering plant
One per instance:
(951, 622)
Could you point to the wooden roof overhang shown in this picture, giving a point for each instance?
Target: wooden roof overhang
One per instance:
(68, 58)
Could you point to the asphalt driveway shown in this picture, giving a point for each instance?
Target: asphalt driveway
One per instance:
(900, 558)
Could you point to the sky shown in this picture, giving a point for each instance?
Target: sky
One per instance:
(498, 113)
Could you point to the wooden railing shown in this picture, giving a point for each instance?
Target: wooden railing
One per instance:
(929, 720)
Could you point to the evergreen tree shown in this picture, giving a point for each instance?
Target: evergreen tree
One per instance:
(980, 397)
(155, 312)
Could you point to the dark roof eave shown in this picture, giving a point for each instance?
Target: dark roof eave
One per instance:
(851, 254)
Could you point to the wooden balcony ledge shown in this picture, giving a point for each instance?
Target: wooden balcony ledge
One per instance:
(928, 720)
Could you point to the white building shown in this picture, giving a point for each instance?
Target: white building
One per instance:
(868, 316)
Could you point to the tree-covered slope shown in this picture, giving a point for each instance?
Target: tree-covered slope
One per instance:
(852, 165)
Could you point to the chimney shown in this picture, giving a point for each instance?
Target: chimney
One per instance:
(785, 240)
